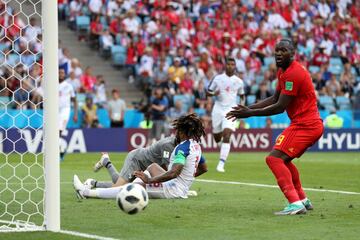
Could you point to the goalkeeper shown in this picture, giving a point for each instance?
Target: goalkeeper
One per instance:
(138, 160)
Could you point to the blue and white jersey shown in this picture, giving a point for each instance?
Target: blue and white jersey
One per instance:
(229, 88)
(187, 153)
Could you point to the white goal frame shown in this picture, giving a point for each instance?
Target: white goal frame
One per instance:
(51, 161)
(51, 112)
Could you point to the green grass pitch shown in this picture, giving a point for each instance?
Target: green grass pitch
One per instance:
(220, 211)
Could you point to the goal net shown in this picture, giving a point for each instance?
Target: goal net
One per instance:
(23, 178)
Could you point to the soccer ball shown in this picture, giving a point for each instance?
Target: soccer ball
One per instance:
(132, 198)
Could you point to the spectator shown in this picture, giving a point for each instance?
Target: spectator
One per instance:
(117, 107)
(90, 119)
(347, 81)
(320, 57)
(74, 82)
(88, 80)
(263, 92)
(268, 122)
(333, 87)
(100, 98)
(131, 23)
(333, 121)
(158, 105)
(200, 96)
(176, 111)
(176, 71)
(96, 31)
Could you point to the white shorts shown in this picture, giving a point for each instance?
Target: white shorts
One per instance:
(165, 190)
(64, 115)
(219, 121)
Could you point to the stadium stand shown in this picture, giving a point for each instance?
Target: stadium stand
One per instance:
(144, 34)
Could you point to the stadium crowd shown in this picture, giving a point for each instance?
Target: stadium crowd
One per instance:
(180, 45)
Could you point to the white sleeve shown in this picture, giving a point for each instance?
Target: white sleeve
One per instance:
(241, 90)
(72, 93)
(213, 85)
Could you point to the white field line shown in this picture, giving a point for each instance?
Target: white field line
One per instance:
(238, 183)
(86, 235)
(275, 186)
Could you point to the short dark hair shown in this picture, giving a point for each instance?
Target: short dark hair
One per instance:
(289, 42)
(229, 59)
(190, 125)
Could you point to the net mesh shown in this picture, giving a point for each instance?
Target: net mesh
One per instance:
(21, 157)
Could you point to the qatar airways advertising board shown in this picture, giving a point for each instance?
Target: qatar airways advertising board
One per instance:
(124, 140)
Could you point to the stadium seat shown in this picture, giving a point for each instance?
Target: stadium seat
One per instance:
(336, 66)
(118, 55)
(132, 118)
(327, 103)
(82, 23)
(186, 102)
(343, 103)
(268, 61)
(250, 99)
(314, 69)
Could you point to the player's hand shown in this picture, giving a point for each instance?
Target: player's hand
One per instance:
(238, 112)
(241, 107)
(75, 118)
(142, 176)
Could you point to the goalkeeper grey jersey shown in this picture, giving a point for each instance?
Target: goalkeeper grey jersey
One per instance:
(158, 152)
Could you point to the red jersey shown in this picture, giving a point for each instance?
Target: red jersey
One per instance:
(296, 81)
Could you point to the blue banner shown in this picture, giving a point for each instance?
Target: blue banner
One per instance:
(123, 140)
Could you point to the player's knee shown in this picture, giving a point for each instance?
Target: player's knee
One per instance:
(268, 160)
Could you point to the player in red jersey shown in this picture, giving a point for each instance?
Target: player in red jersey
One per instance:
(295, 94)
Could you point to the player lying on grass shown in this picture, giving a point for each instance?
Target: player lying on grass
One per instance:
(138, 160)
(294, 93)
(174, 183)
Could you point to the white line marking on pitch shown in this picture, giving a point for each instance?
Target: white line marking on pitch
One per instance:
(275, 186)
(86, 235)
(249, 184)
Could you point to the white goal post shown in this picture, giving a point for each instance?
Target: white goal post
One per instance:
(29, 180)
(51, 112)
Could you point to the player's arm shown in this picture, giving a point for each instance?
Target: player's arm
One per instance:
(73, 100)
(266, 102)
(273, 109)
(202, 167)
(175, 171)
(212, 89)
(171, 174)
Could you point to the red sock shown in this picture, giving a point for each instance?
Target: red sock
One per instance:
(283, 177)
(296, 180)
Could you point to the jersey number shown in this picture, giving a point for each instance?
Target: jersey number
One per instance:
(279, 140)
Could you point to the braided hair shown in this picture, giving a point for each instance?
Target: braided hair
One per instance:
(190, 125)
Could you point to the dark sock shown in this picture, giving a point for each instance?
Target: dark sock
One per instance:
(111, 169)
